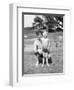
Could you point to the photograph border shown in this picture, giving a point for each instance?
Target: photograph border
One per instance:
(14, 78)
(31, 13)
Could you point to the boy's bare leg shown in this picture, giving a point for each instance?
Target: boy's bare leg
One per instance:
(43, 60)
(47, 59)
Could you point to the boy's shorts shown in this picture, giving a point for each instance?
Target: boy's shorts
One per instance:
(46, 51)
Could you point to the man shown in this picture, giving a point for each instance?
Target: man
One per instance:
(38, 48)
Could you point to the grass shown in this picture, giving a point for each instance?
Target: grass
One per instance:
(56, 51)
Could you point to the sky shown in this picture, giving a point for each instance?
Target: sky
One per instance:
(29, 19)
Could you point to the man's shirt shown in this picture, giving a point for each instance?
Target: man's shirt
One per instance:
(37, 44)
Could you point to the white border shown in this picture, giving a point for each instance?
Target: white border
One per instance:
(16, 38)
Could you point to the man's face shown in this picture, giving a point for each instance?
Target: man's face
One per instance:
(39, 36)
(45, 34)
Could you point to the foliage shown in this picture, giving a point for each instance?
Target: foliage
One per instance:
(50, 22)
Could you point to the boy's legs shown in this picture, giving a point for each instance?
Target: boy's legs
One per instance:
(48, 56)
(47, 59)
(45, 56)
(44, 59)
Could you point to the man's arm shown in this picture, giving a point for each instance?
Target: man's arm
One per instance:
(35, 46)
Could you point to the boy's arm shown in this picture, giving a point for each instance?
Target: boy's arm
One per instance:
(49, 44)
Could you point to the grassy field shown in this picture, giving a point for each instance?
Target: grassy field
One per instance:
(56, 51)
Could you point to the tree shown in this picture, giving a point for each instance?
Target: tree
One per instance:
(38, 24)
(53, 22)
(50, 22)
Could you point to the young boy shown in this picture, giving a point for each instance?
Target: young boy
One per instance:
(38, 48)
(46, 48)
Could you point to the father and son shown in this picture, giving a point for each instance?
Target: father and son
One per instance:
(42, 48)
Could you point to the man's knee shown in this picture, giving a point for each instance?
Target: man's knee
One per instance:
(40, 58)
(49, 60)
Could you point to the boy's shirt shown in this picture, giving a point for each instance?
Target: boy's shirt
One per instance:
(45, 43)
(42, 43)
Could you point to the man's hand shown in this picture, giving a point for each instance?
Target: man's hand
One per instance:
(40, 51)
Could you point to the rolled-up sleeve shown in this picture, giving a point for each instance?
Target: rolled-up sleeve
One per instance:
(35, 46)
